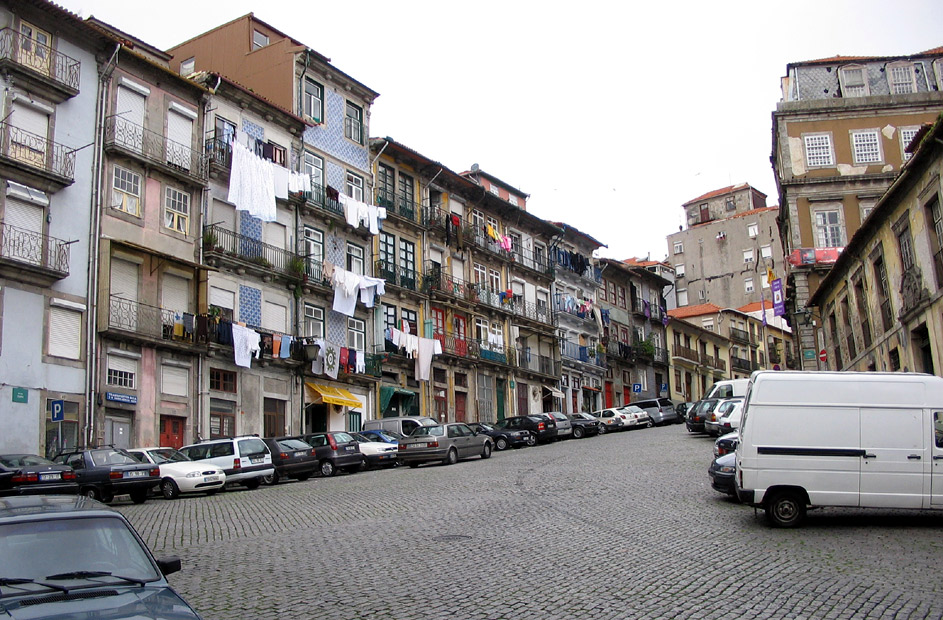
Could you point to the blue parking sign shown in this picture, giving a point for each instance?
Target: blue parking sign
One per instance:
(58, 410)
(637, 388)
(664, 387)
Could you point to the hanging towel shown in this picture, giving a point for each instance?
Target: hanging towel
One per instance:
(276, 345)
(352, 361)
(286, 346)
(369, 288)
(342, 360)
(317, 364)
(224, 332)
(280, 180)
(245, 344)
(332, 354)
(346, 284)
(361, 366)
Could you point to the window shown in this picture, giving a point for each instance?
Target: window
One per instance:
(611, 294)
(356, 335)
(407, 258)
(313, 246)
(314, 321)
(480, 274)
(935, 217)
(222, 418)
(864, 316)
(853, 81)
(708, 324)
(866, 146)
(314, 100)
(748, 256)
(828, 230)
(274, 316)
(701, 295)
(621, 300)
(679, 247)
(259, 39)
(906, 137)
(512, 199)
(353, 123)
(905, 244)
(752, 230)
(222, 380)
(883, 293)
(748, 285)
(494, 280)
(901, 78)
(355, 258)
(481, 330)
(387, 255)
(355, 186)
(682, 297)
(65, 333)
(314, 168)
(272, 152)
(177, 210)
(410, 316)
(730, 204)
(540, 255)
(274, 417)
(494, 189)
(818, 150)
(122, 371)
(126, 194)
(187, 66)
(174, 380)
(389, 317)
(766, 251)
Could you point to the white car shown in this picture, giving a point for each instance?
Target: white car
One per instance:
(246, 460)
(712, 423)
(730, 421)
(377, 453)
(178, 474)
(634, 417)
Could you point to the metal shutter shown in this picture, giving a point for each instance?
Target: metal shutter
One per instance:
(222, 298)
(175, 294)
(174, 380)
(458, 268)
(124, 279)
(180, 139)
(274, 235)
(130, 107)
(65, 333)
(122, 364)
(23, 215)
(30, 119)
(274, 317)
(224, 216)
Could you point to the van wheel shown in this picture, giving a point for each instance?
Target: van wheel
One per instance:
(785, 509)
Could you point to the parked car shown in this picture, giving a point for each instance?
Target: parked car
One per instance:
(401, 424)
(103, 473)
(72, 557)
(246, 460)
(335, 450)
(725, 444)
(564, 427)
(609, 420)
(178, 474)
(730, 421)
(724, 407)
(682, 409)
(377, 453)
(634, 416)
(542, 427)
(291, 457)
(505, 438)
(698, 414)
(445, 443)
(383, 435)
(584, 425)
(660, 410)
(31, 475)
(722, 473)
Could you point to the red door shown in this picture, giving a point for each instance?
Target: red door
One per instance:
(460, 406)
(438, 326)
(609, 397)
(171, 431)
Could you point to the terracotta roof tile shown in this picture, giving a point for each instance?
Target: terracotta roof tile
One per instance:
(697, 310)
(755, 306)
(721, 192)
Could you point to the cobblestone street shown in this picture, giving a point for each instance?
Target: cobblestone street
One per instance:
(620, 526)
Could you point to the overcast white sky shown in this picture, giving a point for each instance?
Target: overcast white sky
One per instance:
(611, 115)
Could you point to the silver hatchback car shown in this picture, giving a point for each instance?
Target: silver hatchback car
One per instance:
(660, 410)
(564, 426)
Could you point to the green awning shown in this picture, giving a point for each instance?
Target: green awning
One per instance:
(387, 393)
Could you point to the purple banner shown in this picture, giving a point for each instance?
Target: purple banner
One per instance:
(779, 301)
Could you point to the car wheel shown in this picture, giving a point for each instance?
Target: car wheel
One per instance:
(139, 497)
(452, 457)
(649, 424)
(213, 491)
(785, 509)
(327, 468)
(501, 443)
(486, 451)
(602, 429)
(169, 489)
(531, 440)
(253, 483)
(107, 497)
(92, 493)
(578, 432)
(415, 464)
(270, 479)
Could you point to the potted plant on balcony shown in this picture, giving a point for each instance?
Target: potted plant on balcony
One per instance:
(210, 240)
(646, 348)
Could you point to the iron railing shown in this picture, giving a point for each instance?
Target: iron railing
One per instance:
(220, 240)
(741, 364)
(219, 152)
(398, 204)
(620, 350)
(40, 58)
(37, 151)
(656, 313)
(33, 248)
(686, 353)
(155, 147)
(319, 197)
(587, 355)
(133, 316)
(516, 357)
(532, 260)
(436, 280)
(661, 355)
(561, 306)
(402, 277)
(740, 335)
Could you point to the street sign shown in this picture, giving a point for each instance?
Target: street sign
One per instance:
(808, 354)
(20, 395)
(637, 388)
(822, 355)
(664, 387)
(58, 410)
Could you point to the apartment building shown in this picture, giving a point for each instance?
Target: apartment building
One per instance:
(839, 139)
(50, 90)
(879, 307)
(698, 359)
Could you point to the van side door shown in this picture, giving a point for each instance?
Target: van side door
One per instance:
(895, 450)
(936, 476)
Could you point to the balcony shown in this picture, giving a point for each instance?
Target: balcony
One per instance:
(573, 309)
(687, 353)
(514, 357)
(251, 255)
(657, 314)
(325, 199)
(739, 364)
(447, 287)
(739, 335)
(173, 158)
(478, 236)
(219, 155)
(398, 206)
(577, 352)
(150, 325)
(637, 307)
(32, 257)
(621, 351)
(47, 72)
(401, 277)
(560, 264)
(528, 259)
(36, 160)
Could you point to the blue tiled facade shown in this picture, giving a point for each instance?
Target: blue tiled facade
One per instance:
(336, 177)
(255, 131)
(250, 226)
(250, 305)
(329, 136)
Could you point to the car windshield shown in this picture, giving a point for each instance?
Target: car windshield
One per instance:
(632, 409)
(390, 435)
(167, 455)
(111, 456)
(293, 444)
(23, 460)
(435, 431)
(40, 548)
(362, 438)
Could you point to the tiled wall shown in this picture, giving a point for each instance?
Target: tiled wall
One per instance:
(250, 305)
(329, 136)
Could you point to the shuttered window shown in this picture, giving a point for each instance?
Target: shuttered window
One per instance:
(65, 333)
(180, 139)
(124, 279)
(222, 298)
(174, 380)
(274, 317)
(30, 128)
(175, 294)
(275, 235)
(129, 118)
(122, 371)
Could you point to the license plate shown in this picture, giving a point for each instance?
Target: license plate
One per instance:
(257, 460)
(349, 448)
(50, 476)
(210, 478)
(562, 431)
(136, 474)
(417, 445)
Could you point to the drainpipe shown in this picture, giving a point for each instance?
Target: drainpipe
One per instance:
(94, 238)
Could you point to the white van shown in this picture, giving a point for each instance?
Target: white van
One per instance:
(811, 439)
(728, 388)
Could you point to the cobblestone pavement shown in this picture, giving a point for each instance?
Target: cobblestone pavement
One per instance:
(620, 526)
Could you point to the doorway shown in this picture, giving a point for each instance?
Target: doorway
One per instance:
(171, 431)
(316, 418)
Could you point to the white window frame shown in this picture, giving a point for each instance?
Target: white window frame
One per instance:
(126, 191)
(853, 88)
(60, 318)
(187, 66)
(121, 372)
(901, 78)
(818, 150)
(866, 146)
(513, 199)
(356, 334)
(708, 324)
(314, 321)
(259, 39)
(821, 236)
(354, 186)
(494, 189)
(679, 247)
(906, 137)
(748, 257)
(176, 210)
(355, 260)
(766, 251)
(682, 297)
(314, 168)
(753, 230)
(701, 295)
(679, 270)
(748, 285)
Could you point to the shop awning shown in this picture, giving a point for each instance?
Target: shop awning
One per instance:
(387, 393)
(554, 391)
(332, 395)
(591, 388)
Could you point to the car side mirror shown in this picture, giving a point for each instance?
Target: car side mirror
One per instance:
(168, 565)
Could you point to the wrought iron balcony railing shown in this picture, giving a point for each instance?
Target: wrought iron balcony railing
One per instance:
(436, 281)
(398, 204)
(620, 350)
(42, 59)
(585, 354)
(143, 319)
(37, 152)
(661, 355)
(219, 152)
(155, 147)
(320, 197)
(532, 260)
(402, 277)
(33, 248)
(574, 309)
(741, 364)
(740, 335)
(225, 242)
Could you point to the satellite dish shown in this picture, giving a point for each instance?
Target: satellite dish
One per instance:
(475, 168)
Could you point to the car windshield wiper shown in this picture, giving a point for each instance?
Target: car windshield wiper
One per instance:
(14, 581)
(22, 581)
(86, 574)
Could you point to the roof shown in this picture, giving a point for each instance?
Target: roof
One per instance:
(504, 184)
(838, 59)
(752, 212)
(698, 310)
(756, 306)
(634, 262)
(723, 190)
(567, 228)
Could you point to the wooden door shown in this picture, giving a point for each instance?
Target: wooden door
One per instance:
(171, 431)
(461, 399)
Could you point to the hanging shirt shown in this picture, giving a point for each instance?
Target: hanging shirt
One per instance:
(245, 342)
(369, 288)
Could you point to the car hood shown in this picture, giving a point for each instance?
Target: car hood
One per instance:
(377, 447)
(147, 603)
(183, 468)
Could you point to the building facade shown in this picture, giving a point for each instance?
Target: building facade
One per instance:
(839, 139)
(698, 359)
